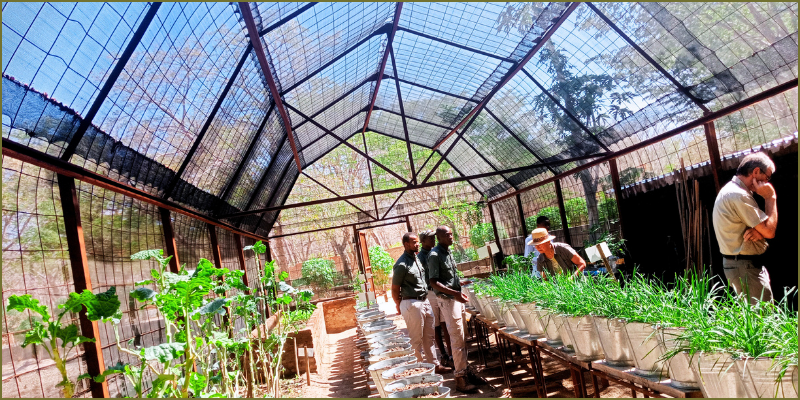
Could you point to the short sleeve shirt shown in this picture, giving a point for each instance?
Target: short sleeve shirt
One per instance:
(561, 263)
(423, 259)
(442, 267)
(735, 210)
(409, 275)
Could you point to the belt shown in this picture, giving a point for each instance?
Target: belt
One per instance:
(742, 257)
(421, 297)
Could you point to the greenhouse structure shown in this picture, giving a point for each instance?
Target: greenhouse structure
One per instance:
(224, 199)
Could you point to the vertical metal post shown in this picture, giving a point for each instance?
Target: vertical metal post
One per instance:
(523, 229)
(268, 254)
(713, 152)
(79, 262)
(240, 255)
(494, 229)
(563, 213)
(408, 224)
(212, 232)
(612, 166)
(169, 239)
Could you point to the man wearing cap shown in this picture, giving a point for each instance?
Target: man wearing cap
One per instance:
(555, 258)
(427, 240)
(541, 222)
(411, 298)
(444, 281)
(742, 228)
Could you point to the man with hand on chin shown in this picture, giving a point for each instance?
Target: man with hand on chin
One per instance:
(742, 228)
(555, 258)
(444, 280)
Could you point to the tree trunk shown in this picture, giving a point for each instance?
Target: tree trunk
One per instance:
(589, 183)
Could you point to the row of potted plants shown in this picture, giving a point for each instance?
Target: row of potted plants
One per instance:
(693, 331)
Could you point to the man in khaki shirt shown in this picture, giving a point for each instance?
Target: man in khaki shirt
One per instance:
(742, 228)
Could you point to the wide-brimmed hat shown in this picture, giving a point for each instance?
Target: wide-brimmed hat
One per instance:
(539, 236)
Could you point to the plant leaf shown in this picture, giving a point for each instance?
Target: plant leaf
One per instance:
(148, 254)
(305, 295)
(104, 305)
(286, 288)
(283, 275)
(216, 306)
(285, 299)
(143, 294)
(144, 282)
(164, 352)
(37, 335)
(197, 383)
(119, 368)
(26, 302)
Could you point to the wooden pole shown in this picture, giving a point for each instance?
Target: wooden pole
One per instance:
(296, 362)
(308, 368)
(494, 230)
(215, 253)
(523, 229)
(713, 152)
(408, 224)
(562, 211)
(169, 239)
(237, 240)
(81, 276)
(612, 166)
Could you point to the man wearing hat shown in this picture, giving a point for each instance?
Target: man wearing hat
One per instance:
(555, 258)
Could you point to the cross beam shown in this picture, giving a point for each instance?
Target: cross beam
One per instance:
(337, 195)
(474, 113)
(255, 41)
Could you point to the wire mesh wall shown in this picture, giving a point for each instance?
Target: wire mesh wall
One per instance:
(509, 227)
(36, 262)
(542, 201)
(590, 205)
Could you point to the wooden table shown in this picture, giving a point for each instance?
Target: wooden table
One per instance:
(649, 387)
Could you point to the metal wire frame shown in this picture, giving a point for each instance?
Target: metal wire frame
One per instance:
(250, 148)
(337, 195)
(86, 122)
(287, 18)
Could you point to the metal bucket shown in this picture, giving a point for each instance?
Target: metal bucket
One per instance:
(373, 307)
(532, 324)
(395, 341)
(373, 321)
(497, 311)
(508, 317)
(387, 355)
(550, 328)
(519, 322)
(760, 378)
(372, 330)
(444, 391)
(384, 336)
(584, 338)
(473, 300)
(614, 341)
(401, 383)
(383, 349)
(646, 351)
(679, 366)
(717, 375)
(375, 370)
(486, 309)
(387, 376)
(560, 322)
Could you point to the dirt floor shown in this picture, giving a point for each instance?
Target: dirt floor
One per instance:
(341, 374)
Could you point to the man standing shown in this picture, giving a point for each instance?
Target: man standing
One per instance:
(410, 297)
(555, 258)
(541, 222)
(427, 241)
(444, 281)
(741, 227)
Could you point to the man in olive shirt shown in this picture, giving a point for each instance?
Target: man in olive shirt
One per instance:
(427, 240)
(411, 297)
(742, 228)
(444, 281)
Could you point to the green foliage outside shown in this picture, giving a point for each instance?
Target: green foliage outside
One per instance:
(481, 233)
(319, 273)
(518, 264)
(382, 264)
(549, 212)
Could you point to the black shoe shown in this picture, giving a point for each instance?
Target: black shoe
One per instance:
(448, 362)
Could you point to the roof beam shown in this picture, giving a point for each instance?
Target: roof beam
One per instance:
(402, 115)
(255, 41)
(565, 110)
(337, 195)
(409, 187)
(287, 19)
(357, 223)
(709, 117)
(656, 65)
(86, 122)
(460, 46)
(186, 160)
(271, 198)
(474, 113)
(344, 142)
(457, 96)
(263, 178)
(271, 195)
(524, 144)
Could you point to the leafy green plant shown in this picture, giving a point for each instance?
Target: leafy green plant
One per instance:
(320, 273)
(517, 263)
(615, 243)
(382, 265)
(58, 339)
(549, 212)
(481, 233)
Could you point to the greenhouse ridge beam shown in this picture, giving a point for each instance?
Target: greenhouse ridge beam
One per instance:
(287, 18)
(186, 160)
(358, 223)
(403, 117)
(649, 59)
(410, 187)
(337, 195)
(474, 113)
(255, 41)
(565, 110)
(86, 122)
(344, 142)
(709, 117)
(247, 153)
(55, 164)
